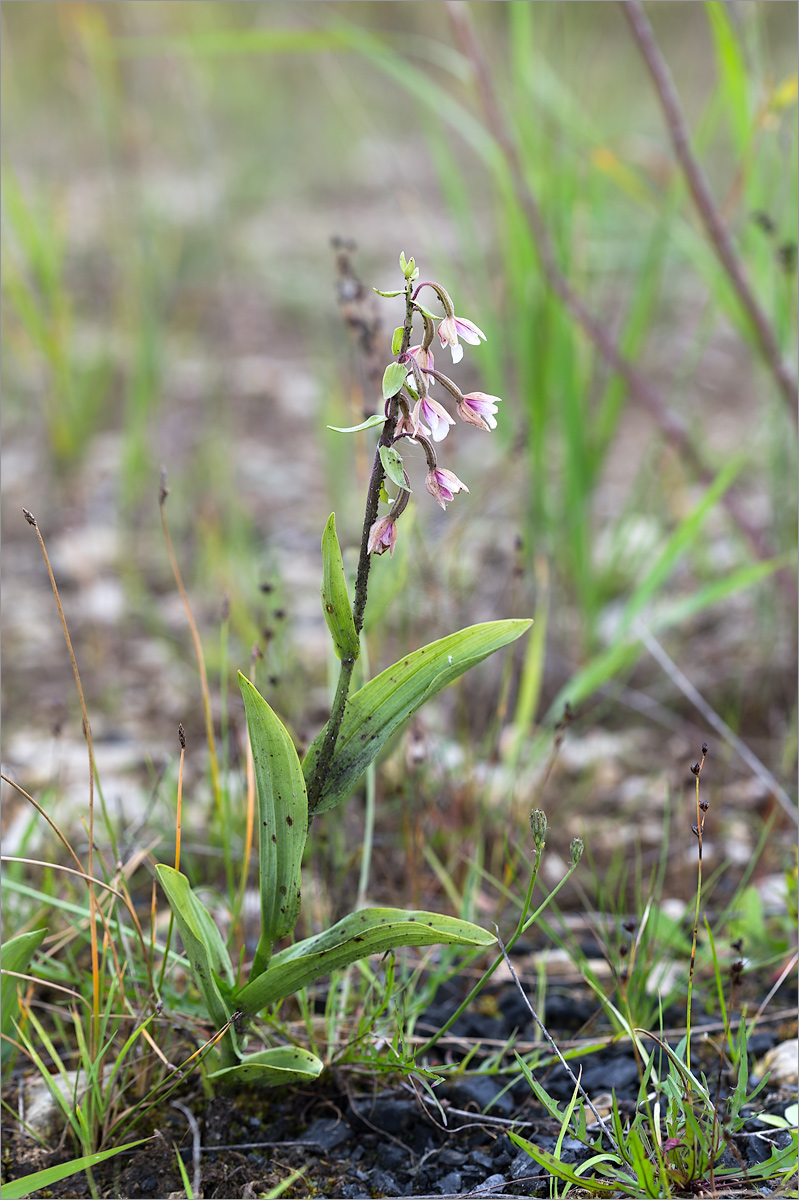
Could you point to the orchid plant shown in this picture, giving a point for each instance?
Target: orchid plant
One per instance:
(290, 791)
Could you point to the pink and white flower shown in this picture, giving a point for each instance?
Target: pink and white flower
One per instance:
(382, 536)
(433, 414)
(443, 485)
(477, 408)
(451, 328)
(424, 359)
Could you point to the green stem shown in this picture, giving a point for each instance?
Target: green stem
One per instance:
(369, 814)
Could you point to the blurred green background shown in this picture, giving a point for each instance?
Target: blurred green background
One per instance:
(172, 176)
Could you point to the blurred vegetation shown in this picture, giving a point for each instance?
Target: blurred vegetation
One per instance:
(173, 174)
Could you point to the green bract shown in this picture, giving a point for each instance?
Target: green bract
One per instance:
(369, 423)
(392, 465)
(394, 376)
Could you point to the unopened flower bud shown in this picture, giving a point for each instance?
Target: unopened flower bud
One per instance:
(538, 827)
(576, 847)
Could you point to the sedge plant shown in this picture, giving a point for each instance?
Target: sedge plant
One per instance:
(681, 1138)
(292, 792)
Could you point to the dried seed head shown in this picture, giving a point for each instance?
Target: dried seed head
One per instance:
(628, 926)
(576, 847)
(736, 971)
(538, 827)
(696, 768)
(695, 830)
(704, 805)
(737, 945)
(182, 737)
(624, 949)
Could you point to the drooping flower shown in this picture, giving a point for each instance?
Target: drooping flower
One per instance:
(424, 358)
(406, 426)
(451, 328)
(443, 485)
(382, 536)
(433, 414)
(477, 408)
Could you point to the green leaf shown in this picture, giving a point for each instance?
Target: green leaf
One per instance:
(368, 931)
(17, 953)
(202, 942)
(564, 1171)
(392, 465)
(380, 707)
(274, 1067)
(396, 340)
(426, 311)
(369, 423)
(17, 1189)
(282, 820)
(335, 598)
(389, 295)
(394, 376)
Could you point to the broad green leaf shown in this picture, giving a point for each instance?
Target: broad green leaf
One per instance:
(369, 931)
(387, 701)
(17, 953)
(369, 423)
(202, 941)
(396, 340)
(394, 376)
(335, 598)
(18, 1189)
(274, 1067)
(282, 821)
(392, 465)
(390, 295)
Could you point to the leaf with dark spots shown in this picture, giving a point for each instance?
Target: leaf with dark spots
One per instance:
(391, 698)
(379, 930)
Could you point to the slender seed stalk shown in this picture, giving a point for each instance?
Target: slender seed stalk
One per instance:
(698, 829)
(198, 650)
(87, 731)
(523, 923)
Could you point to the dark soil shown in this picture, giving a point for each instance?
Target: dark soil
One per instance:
(358, 1138)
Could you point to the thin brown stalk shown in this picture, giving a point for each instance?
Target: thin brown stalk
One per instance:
(179, 819)
(198, 649)
(48, 819)
(699, 187)
(698, 829)
(639, 387)
(95, 1025)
